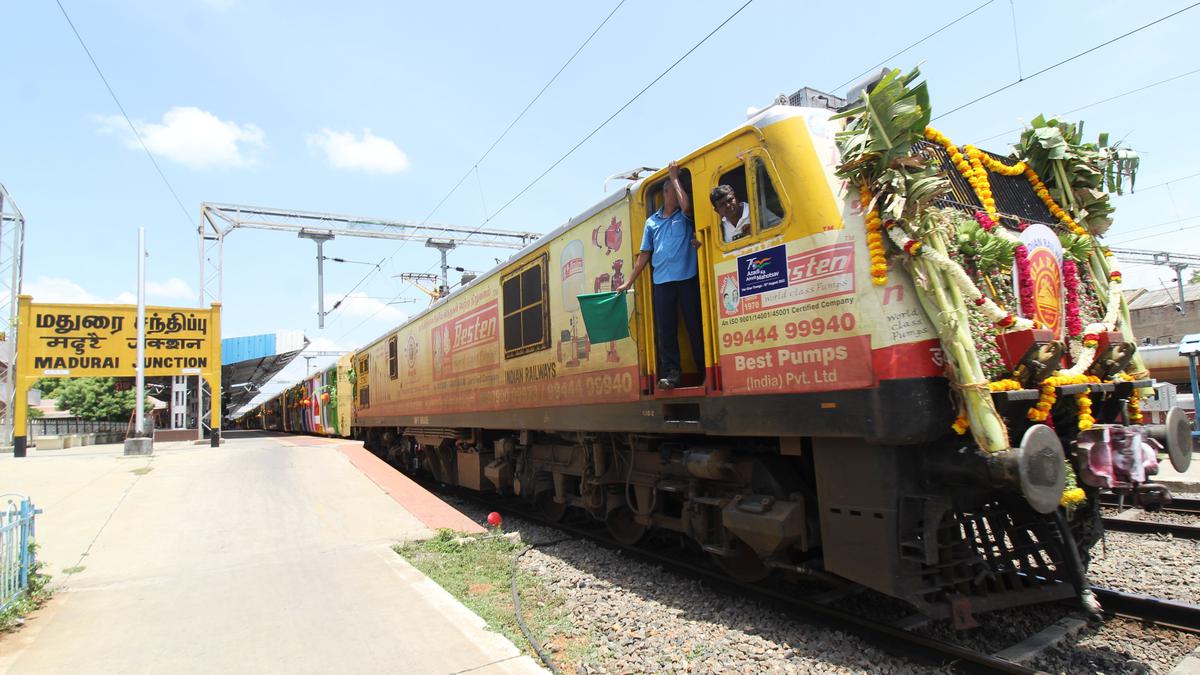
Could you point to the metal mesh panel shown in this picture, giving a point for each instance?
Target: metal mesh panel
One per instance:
(1015, 198)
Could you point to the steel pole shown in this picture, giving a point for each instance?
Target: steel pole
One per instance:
(141, 334)
(1179, 270)
(320, 283)
(10, 400)
(1195, 398)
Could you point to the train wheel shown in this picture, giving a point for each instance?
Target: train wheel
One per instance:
(743, 564)
(552, 510)
(622, 526)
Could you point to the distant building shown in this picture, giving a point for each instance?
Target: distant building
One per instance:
(49, 409)
(1160, 317)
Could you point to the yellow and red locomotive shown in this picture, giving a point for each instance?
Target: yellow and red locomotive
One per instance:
(821, 435)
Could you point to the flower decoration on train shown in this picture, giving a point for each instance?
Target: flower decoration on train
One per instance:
(982, 273)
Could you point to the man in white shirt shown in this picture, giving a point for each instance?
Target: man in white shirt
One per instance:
(735, 215)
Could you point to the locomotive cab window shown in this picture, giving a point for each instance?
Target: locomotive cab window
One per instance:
(526, 319)
(746, 202)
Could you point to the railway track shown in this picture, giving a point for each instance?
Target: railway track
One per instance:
(888, 636)
(1177, 505)
(1126, 521)
(1179, 615)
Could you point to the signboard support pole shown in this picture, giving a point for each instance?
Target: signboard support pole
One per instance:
(20, 406)
(214, 383)
(138, 443)
(141, 334)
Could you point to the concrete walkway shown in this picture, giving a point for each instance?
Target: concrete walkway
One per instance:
(262, 556)
(1188, 481)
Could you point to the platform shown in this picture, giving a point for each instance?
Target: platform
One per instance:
(271, 554)
(1188, 481)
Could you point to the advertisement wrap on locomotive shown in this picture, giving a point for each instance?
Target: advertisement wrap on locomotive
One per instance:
(851, 367)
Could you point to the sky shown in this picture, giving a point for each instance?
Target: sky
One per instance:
(379, 109)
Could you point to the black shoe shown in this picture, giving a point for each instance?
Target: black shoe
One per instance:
(670, 381)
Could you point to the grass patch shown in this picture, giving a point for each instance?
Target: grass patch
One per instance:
(33, 597)
(141, 470)
(479, 575)
(74, 570)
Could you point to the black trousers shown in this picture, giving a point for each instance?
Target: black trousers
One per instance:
(682, 297)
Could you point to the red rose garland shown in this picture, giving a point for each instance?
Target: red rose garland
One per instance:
(985, 221)
(1024, 280)
(1071, 281)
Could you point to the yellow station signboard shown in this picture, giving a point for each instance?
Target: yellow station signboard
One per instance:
(70, 340)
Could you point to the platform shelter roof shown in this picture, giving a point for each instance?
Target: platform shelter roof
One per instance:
(249, 362)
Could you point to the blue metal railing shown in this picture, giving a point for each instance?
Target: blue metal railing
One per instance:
(16, 558)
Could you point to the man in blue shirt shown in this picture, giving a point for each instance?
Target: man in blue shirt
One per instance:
(669, 245)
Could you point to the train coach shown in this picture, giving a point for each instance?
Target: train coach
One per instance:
(880, 401)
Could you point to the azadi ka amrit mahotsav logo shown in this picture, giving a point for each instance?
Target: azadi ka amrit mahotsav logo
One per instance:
(762, 271)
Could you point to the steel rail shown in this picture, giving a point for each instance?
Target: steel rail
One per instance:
(1175, 530)
(1179, 615)
(1176, 505)
(893, 639)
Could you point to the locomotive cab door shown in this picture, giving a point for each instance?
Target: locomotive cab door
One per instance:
(695, 380)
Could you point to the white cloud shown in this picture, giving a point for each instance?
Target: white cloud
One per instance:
(369, 153)
(61, 289)
(358, 305)
(171, 289)
(58, 289)
(193, 137)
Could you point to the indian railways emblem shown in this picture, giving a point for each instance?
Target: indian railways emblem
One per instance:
(1045, 272)
(410, 353)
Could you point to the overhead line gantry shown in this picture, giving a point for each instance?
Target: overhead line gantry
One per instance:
(218, 221)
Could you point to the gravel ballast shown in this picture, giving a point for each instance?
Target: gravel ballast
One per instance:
(642, 618)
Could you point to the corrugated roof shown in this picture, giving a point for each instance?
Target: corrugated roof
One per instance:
(1168, 296)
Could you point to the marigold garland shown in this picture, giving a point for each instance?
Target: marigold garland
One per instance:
(1083, 404)
(1007, 384)
(1134, 410)
(1072, 495)
(999, 167)
(970, 165)
(1040, 412)
(975, 165)
(980, 182)
(874, 238)
(961, 424)
(1055, 210)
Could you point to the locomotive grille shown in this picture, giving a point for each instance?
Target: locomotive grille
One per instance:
(994, 555)
(1014, 195)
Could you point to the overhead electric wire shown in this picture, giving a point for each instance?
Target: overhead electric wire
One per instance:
(885, 61)
(1140, 231)
(593, 132)
(373, 270)
(613, 116)
(1102, 101)
(120, 107)
(1012, 8)
(1066, 61)
(522, 113)
(475, 166)
(1165, 183)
